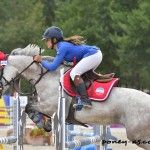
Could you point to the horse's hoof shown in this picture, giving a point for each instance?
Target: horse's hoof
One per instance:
(47, 129)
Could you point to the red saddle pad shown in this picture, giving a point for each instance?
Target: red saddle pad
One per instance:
(97, 91)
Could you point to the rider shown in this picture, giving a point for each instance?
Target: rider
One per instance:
(87, 57)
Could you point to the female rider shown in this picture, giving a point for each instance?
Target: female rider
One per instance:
(87, 57)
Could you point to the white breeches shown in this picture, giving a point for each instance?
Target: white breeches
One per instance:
(88, 63)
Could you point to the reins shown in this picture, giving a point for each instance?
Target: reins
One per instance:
(15, 80)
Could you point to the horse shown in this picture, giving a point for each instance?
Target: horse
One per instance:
(124, 106)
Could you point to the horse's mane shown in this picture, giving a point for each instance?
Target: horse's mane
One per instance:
(29, 50)
(32, 50)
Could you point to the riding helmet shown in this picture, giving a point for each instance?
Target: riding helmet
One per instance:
(53, 32)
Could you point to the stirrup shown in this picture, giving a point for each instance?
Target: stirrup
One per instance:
(86, 102)
(82, 103)
(78, 106)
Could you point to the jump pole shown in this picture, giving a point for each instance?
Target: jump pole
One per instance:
(58, 124)
(77, 133)
(15, 138)
(18, 124)
(83, 142)
(61, 110)
(58, 119)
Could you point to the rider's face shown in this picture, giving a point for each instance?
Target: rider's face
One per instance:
(48, 42)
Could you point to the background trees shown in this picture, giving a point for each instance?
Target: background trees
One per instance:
(120, 28)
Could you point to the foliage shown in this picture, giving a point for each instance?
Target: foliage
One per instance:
(23, 25)
(93, 22)
(35, 132)
(119, 28)
(133, 44)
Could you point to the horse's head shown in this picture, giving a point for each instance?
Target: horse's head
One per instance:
(17, 61)
(7, 76)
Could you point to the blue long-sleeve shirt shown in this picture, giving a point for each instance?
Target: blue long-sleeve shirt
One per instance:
(67, 51)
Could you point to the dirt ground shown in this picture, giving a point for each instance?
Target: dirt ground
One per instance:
(119, 133)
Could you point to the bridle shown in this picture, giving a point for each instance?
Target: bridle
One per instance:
(3, 63)
(15, 81)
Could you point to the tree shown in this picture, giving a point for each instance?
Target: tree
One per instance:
(22, 25)
(133, 44)
(92, 20)
(48, 11)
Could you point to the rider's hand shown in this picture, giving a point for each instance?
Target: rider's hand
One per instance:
(37, 58)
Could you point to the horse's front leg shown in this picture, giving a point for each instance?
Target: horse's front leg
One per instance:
(36, 117)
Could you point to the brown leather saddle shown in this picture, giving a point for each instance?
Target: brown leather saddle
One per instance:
(91, 76)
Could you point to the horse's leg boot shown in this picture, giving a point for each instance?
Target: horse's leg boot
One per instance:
(81, 89)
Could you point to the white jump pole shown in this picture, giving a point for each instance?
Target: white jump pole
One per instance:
(61, 114)
(16, 120)
(58, 119)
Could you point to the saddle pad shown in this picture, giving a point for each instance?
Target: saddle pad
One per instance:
(96, 92)
(100, 91)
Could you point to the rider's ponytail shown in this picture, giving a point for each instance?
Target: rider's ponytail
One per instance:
(77, 40)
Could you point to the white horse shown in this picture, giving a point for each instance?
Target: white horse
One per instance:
(125, 106)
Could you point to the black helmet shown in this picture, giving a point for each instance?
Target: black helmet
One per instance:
(53, 32)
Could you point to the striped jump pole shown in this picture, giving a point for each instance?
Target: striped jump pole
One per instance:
(8, 140)
(5, 117)
(82, 142)
(16, 117)
(6, 110)
(6, 107)
(13, 139)
(5, 124)
(77, 133)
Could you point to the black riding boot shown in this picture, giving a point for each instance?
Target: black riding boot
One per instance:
(81, 89)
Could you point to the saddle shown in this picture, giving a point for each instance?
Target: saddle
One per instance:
(98, 86)
(98, 89)
(91, 76)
